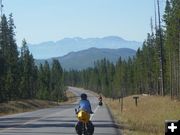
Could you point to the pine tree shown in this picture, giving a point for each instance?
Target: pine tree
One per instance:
(28, 73)
(2, 64)
(4, 54)
(172, 23)
(10, 54)
(57, 87)
(44, 81)
(13, 72)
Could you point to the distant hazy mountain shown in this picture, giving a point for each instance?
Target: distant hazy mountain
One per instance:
(86, 58)
(62, 47)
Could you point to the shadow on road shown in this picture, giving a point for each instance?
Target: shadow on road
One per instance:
(17, 119)
(12, 122)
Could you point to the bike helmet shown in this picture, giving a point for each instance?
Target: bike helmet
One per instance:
(83, 96)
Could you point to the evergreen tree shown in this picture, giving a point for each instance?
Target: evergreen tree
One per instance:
(57, 86)
(13, 73)
(2, 64)
(28, 73)
(10, 54)
(44, 81)
(4, 45)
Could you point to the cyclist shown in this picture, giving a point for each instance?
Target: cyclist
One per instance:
(84, 104)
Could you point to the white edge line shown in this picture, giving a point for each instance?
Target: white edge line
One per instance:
(94, 112)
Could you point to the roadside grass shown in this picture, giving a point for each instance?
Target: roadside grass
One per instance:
(148, 117)
(24, 105)
(13, 107)
(71, 98)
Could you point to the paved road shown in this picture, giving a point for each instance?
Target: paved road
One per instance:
(57, 121)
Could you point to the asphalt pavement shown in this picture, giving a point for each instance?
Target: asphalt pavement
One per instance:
(58, 120)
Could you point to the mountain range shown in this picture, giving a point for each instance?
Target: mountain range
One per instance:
(64, 46)
(83, 59)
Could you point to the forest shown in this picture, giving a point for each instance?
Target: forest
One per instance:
(154, 70)
(20, 78)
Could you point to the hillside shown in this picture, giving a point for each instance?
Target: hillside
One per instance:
(64, 46)
(86, 58)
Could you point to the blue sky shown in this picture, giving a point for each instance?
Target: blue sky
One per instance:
(44, 20)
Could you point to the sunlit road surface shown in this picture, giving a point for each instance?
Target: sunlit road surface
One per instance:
(57, 121)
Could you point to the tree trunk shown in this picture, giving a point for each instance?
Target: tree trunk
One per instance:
(170, 73)
(179, 71)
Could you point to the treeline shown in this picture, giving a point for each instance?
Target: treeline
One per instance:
(140, 74)
(20, 78)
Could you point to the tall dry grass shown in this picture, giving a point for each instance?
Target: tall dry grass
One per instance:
(148, 117)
